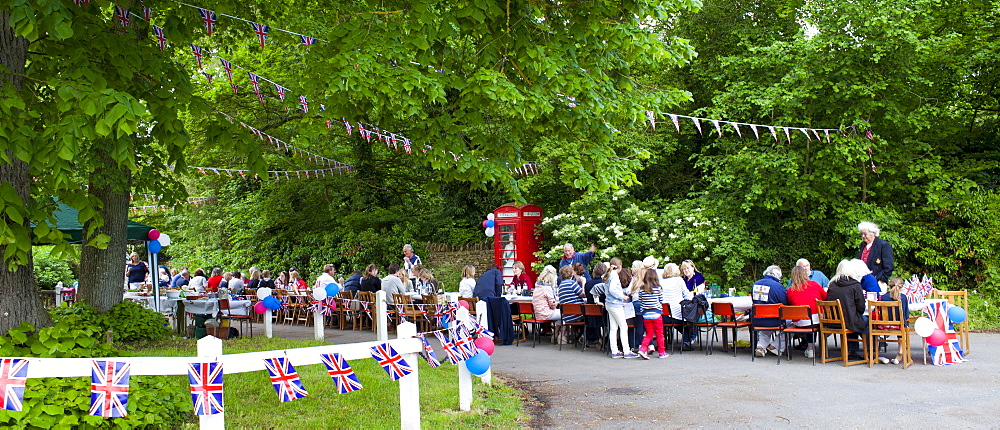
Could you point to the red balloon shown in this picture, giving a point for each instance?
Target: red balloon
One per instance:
(486, 344)
(937, 338)
(153, 234)
(260, 308)
(463, 304)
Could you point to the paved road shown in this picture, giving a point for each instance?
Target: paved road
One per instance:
(575, 389)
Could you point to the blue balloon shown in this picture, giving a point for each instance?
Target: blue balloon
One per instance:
(489, 223)
(272, 302)
(479, 363)
(332, 289)
(154, 246)
(956, 314)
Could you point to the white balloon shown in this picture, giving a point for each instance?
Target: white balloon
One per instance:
(489, 232)
(462, 314)
(164, 239)
(319, 293)
(924, 326)
(490, 216)
(263, 293)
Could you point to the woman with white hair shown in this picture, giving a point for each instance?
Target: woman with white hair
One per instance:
(875, 252)
(769, 291)
(846, 287)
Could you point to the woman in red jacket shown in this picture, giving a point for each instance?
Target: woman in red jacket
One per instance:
(804, 292)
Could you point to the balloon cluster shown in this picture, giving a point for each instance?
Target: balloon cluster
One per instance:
(157, 241)
(488, 225)
(931, 333)
(479, 364)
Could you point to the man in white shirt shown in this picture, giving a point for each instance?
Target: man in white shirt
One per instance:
(326, 277)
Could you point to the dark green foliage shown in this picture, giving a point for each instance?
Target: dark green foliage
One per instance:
(129, 320)
(50, 270)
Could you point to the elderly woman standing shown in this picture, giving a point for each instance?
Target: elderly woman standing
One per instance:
(875, 252)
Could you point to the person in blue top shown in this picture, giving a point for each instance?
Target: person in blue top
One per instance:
(814, 275)
(868, 282)
(489, 284)
(571, 257)
(768, 290)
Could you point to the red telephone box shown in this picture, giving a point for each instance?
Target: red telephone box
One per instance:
(515, 238)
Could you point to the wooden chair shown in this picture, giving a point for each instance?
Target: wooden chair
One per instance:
(361, 316)
(404, 308)
(728, 315)
(886, 319)
(226, 314)
(472, 304)
(961, 299)
(795, 313)
(764, 311)
(569, 310)
(831, 321)
(527, 309)
(343, 312)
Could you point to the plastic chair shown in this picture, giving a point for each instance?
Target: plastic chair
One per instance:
(831, 321)
(568, 310)
(524, 308)
(224, 306)
(886, 319)
(763, 311)
(728, 315)
(668, 327)
(961, 299)
(795, 313)
(596, 311)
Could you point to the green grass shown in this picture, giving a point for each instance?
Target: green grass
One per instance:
(251, 402)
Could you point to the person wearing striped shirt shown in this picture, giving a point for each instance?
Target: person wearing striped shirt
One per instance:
(570, 291)
(652, 313)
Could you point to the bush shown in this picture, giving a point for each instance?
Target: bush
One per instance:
(129, 321)
(49, 270)
(65, 402)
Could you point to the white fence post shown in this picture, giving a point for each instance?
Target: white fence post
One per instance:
(409, 385)
(318, 325)
(210, 348)
(268, 329)
(381, 316)
(482, 314)
(464, 378)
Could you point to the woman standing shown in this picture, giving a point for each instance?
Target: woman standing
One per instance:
(615, 305)
(875, 252)
(136, 272)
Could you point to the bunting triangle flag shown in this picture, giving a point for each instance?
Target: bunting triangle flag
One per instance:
(737, 128)
(816, 133)
(281, 91)
(147, 13)
(773, 132)
(754, 128)
(161, 38)
(718, 127)
(788, 134)
(652, 119)
(261, 30)
(307, 41)
(13, 377)
(808, 137)
(697, 123)
(676, 124)
(284, 378)
(827, 135)
(122, 15)
(391, 361)
(428, 353)
(208, 17)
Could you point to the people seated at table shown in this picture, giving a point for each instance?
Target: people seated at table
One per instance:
(673, 291)
(489, 284)
(814, 275)
(214, 280)
(371, 283)
(282, 281)
(426, 282)
(614, 304)
(597, 277)
(198, 282)
(570, 291)
(353, 283)
(325, 277)
(768, 290)
(295, 281)
(846, 287)
(868, 282)
(693, 279)
(894, 294)
(254, 281)
(521, 282)
(136, 272)
(468, 283)
(394, 282)
(652, 313)
(236, 285)
(164, 277)
(543, 299)
(805, 292)
(265, 280)
(579, 272)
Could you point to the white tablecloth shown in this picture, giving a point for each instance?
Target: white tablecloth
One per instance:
(740, 303)
(147, 301)
(517, 299)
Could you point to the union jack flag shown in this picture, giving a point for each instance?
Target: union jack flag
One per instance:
(341, 372)
(109, 388)
(262, 31)
(208, 17)
(256, 86)
(208, 76)
(322, 107)
(362, 132)
(325, 307)
(206, 387)
(460, 337)
(286, 382)
(122, 15)
(228, 68)
(306, 40)
(13, 376)
(951, 352)
(160, 37)
(197, 53)
(236, 88)
(406, 145)
(281, 91)
(450, 312)
(391, 361)
(347, 125)
(147, 13)
(454, 356)
(428, 353)
(304, 103)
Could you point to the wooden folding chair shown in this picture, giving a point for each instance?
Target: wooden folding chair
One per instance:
(728, 315)
(886, 319)
(363, 314)
(405, 309)
(961, 299)
(788, 315)
(472, 304)
(831, 321)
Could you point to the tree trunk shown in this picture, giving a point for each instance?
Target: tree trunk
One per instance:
(102, 271)
(20, 300)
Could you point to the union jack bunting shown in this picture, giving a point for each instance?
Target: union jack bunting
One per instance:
(228, 67)
(281, 91)
(347, 125)
(197, 53)
(788, 134)
(286, 382)
(208, 17)
(256, 86)
(147, 13)
(206, 387)
(697, 124)
(406, 145)
(123, 16)
(329, 124)
(391, 361)
(109, 388)
(208, 76)
(756, 134)
(428, 353)
(652, 119)
(306, 40)
(737, 127)
(262, 31)
(450, 312)
(463, 343)
(341, 372)
(160, 37)
(81, 2)
(362, 132)
(13, 376)
(236, 88)
(304, 103)
(325, 307)
(676, 124)
(951, 352)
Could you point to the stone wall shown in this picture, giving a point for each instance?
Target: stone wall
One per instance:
(447, 261)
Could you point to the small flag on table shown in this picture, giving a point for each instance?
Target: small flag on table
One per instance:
(429, 354)
(341, 372)
(286, 381)
(208, 17)
(206, 387)
(13, 376)
(391, 361)
(109, 388)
